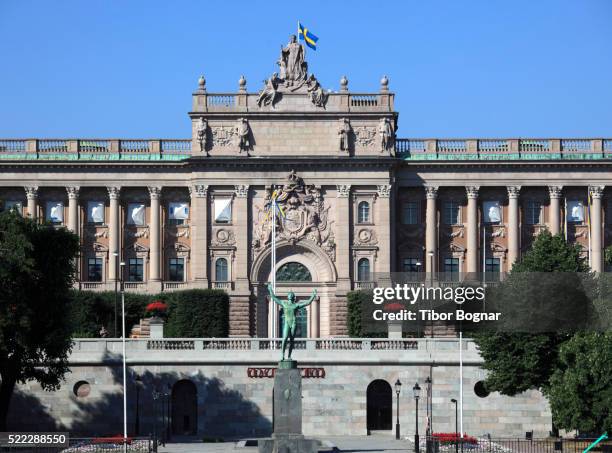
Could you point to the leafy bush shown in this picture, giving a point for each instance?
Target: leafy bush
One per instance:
(197, 313)
(191, 313)
(356, 300)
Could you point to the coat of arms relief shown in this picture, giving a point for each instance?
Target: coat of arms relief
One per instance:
(304, 216)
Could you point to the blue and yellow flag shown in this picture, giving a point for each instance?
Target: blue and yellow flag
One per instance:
(305, 35)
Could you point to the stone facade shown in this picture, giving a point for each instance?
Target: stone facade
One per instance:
(231, 404)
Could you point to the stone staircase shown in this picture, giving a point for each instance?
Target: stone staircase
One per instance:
(141, 330)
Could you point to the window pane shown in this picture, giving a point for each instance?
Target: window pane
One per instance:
(491, 211)
(223, 210)
(293, 272)
(451, 213)
(363, 270)
(175, 270)
(94, 270)
(364, 212)
(492, 268)
(409, 213)
(575, 211)
(12, 204)
(451, 268)
(95, 211)
(135, 270)
(136, 214)
(55, 211)
(221, 270)
(534, 209)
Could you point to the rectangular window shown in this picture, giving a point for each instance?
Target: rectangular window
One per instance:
(136, 214)
(410, 213)
(451, 213)
(176, 270)
(533, 212)
(451, 269)
(95, 212)
(491, 211)
(94, 269)
(412, 265)
(223, 210)
(135, 270)
(492, 269)
(13, 204)
(575, 211)
(55, 212)
(178, 213)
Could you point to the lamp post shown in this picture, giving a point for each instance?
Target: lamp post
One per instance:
(398, 389)
(417, 394)
(429, 406)
(456, 427)
(168, 421)
(124, 361)
(116, 258)
(431, 283)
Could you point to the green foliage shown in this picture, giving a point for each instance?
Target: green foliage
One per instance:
(191, 313)
(580, 392)
(197, 313)
(520, 361)
(36, 271)
(550, 253)
(355, 299)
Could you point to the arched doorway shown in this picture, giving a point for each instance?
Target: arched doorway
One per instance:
(184, 408)
(379, 406)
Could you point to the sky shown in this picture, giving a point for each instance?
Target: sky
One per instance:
(459, 68)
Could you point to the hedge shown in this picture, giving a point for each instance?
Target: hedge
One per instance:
(191, 313)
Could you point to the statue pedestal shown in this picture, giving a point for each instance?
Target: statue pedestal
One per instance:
(287, 436)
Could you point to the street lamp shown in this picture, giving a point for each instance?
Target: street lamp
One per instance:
(398, 389)
(124, 361)
(416, 390)
(456, 427)
(116, 255)
(168, 420)
(431, 282)
(429, 402)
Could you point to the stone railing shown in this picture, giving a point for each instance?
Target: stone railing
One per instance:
(503, 149)
(339, 345)
(94, 149)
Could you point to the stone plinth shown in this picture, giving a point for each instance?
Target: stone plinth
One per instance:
(157, 327)
(287, 436)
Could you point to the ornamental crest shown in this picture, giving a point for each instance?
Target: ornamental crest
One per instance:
(365, 135)
(305, 216)
(223, 136)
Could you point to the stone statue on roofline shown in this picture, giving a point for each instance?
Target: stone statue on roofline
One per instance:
(385, 130)
(269, 93)
(292, 65)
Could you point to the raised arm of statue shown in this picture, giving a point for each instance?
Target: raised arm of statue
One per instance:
(309, 301)
(274, 298)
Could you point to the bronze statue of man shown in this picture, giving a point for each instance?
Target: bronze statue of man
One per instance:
(290, 308)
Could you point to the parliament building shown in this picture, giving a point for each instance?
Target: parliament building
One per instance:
(357, 201)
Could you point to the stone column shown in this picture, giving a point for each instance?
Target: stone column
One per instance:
(383, 224)
(555, 193)
(431, 229)
(155, 232)
(113, 232)
(73, 208)
(314, 318)
(32, 196)
(240, 307)
(199, 236)
(596, 193)
(343, 225)
(472, 229)
(513, 225)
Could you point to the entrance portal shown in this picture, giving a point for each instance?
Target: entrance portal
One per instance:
(379, 405)
(184, 408)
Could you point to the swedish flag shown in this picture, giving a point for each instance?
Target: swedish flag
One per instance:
(305, 35)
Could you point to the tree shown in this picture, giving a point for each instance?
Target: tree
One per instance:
(36, 272)
(581, 387)
(520, 361)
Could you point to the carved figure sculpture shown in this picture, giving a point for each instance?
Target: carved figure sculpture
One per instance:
(201, 133)
(242, 130)
(291, 62)
(290, 308)
(385, 130)
(344, 131)
(269, 94)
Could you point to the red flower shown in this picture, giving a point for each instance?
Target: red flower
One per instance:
(116, 439)
(451, 438)
(394, 306)
(157, 305)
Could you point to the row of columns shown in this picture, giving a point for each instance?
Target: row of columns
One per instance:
(555, 192)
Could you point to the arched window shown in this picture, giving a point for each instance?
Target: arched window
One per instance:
(221, 270)
(293, 272)
(363, 270)
(363, 214)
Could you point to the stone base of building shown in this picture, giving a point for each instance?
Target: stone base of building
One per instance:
(288, 443)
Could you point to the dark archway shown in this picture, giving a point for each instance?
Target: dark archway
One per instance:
(184, 408)
(379, 405)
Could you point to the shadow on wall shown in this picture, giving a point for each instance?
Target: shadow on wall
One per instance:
(198, 406)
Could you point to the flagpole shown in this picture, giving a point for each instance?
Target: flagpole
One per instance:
(589, 225)
(273, 269)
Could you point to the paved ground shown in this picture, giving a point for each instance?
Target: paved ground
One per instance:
(346, 444)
